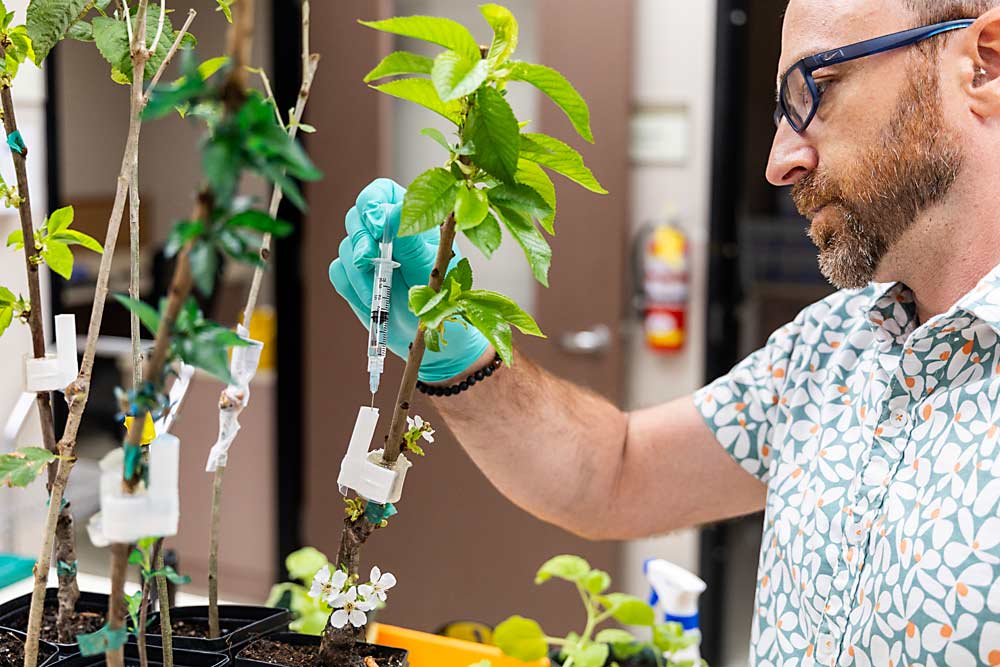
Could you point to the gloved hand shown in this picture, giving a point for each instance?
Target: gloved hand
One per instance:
(353, 276)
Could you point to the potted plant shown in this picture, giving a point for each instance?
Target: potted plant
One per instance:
(494, 177)
(12, 649)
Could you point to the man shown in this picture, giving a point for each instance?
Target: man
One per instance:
(867, 428)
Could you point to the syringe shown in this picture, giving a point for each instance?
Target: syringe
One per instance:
(378, 328)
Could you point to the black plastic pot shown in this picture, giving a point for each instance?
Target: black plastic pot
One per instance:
(239, 625)
(381, 654)
(154, 655)
(13, 611)
(48, 653)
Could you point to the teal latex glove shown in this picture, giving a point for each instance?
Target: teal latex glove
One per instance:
(353, 276)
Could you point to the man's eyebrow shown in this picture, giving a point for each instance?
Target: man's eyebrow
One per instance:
(799, 58)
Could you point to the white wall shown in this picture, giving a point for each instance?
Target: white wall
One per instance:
(674, 61)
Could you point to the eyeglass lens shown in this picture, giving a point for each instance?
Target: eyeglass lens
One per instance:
(796, 98)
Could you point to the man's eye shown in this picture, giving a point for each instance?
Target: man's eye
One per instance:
(821, 86)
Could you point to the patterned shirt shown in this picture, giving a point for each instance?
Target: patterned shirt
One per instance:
(877, 438)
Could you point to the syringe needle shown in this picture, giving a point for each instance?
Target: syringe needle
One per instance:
(373, 399)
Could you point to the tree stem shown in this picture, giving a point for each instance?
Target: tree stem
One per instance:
(116, 602)
(213, 556)
(166, 629)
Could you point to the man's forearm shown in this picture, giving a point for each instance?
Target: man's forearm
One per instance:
(551, 447)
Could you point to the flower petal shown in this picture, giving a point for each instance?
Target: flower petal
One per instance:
(339, 619)
(375, 574)
(388, 581)
(358, 618)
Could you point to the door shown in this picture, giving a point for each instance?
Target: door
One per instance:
(459, 549)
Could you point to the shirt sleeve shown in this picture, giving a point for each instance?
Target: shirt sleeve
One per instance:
(743, 407)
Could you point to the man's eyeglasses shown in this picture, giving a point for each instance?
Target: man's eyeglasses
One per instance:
(799, 97)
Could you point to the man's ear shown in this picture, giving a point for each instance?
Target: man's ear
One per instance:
(980, 64)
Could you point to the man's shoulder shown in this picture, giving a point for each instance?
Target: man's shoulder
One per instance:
(842, 311)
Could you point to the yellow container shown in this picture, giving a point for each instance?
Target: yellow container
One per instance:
(427, 650)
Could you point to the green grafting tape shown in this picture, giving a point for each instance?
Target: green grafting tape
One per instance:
(102, 641)
(64, 569)
(133, 461)
(16, 142)
(376, 514)
(63, 504)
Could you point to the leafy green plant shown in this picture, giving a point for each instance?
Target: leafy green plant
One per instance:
(53, 240)
(524, 639)
(21, 468)
(495, 177)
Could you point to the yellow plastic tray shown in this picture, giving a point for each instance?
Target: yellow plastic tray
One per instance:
(427, 650)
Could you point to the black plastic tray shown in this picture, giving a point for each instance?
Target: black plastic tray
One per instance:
(51, 649)
(154, 655)
(239, 625)
(13, 609)
(380, 653)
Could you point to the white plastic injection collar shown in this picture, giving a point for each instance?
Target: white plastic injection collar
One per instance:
(362, 471)
(56, 371)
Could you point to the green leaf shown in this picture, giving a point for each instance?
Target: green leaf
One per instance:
(16, 239)
(182, 234)
(171, 575)
(441, 31)
(60, 220)
(521, 638)
(628, 609)
(614, 636)
(111, 37)
(588, 654)
(48, 21)
(148, 315)
(533, 176)
(496, 330)
(259, 221)
(559, 157)
(455, 76)
(6, 317)
(486, 236)
(432, 340)
(133, 603)
(21, 468)
(82, 31)
(521, 198)
(471, 207)
(438, 136)
(504, 33)
(428, 201)
(461, 274)
(73, 237)
(204, 266)
(225, 6)
(504, 307)
(422, 92)
(570, 568)
(6, 296)
(536, 248)
(670, 637)
(596, 581)
(492, 127)
(136, 557)
(400, 62)
(419, 298)
(59, 258)
(560, 91)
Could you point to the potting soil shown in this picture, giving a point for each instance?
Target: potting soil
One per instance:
(12, 651)
(84, 622)
(288, 655)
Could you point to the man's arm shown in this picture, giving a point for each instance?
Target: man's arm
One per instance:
(571, 458)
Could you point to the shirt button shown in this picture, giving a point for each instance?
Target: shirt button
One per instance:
(824, 647)
(899, 418)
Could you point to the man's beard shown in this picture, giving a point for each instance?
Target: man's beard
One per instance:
(912, 164)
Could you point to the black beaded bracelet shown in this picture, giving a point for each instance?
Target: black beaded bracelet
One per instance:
(478, 376)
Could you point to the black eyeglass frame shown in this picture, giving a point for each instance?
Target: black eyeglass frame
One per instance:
(868, 47)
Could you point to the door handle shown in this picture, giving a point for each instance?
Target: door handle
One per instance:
(588, 342)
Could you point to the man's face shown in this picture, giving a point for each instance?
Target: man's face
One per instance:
(878, 152)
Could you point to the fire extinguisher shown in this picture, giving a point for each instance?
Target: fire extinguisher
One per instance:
(661, 285)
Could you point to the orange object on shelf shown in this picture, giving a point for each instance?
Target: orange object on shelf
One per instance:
(427, 650)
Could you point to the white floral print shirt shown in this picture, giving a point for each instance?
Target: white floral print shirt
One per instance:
(878, 441)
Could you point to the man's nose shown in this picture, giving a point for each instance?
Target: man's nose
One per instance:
(792, 157)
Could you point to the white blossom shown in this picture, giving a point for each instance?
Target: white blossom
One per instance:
(349, 609)
(380, 583)
(417, 423)
(326, 585)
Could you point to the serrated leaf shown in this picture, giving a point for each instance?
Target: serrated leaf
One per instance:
(492, 127)
(81, 31)
(486, 236)
(455, 76)
(400, 62)
(422, 92)
(559, 90)
(59, 258)
(148, 315)
(521, 198)
(504, 307)
(504, 33)
(73, 237)
(536, 248)
(568, 567)
(111, 36)
(436, 30)
(489, 323)
(48, 21)
(560, 158)
(428, 201)
(461, 273)
(21, 468)
(533, 176)
(438, 136)
(521, 638)
(471, 207)
(628, 609)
